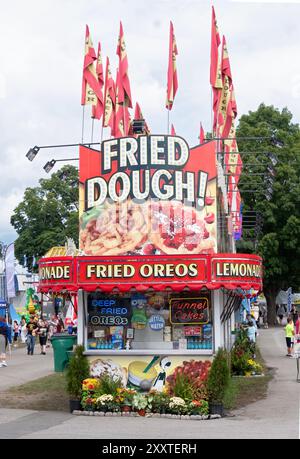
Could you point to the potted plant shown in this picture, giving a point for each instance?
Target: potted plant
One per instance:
(159, 401)
(106, 403)
(125, 398)
(139, 403)
(198, 407)
(177, 405)
(217, 382)
(77, 371)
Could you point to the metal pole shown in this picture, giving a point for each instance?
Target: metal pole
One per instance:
(82, 131)
(92, 137)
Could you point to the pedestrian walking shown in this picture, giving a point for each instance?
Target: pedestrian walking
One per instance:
(294, 314)
(251, 331)
(42, 332)
(16, 330)
(289, 335)
(31, 333)
(23, 326)
(5, 339)
(280, 313)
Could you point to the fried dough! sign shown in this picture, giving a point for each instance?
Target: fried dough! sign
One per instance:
(150, 195)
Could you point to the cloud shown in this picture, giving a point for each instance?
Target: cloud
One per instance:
(42, 54)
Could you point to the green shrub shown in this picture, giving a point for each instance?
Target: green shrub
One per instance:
(108, 385)
(183, 388)
(77, 371)
(218, 378)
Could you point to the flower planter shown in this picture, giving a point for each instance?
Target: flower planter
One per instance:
(142, 412)
(126, 409)
(216, 408)
(75, 405)
(103, 409)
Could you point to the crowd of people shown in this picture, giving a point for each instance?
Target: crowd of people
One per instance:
(28, 331)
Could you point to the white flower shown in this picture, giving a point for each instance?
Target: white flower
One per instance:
(104, 399)
(176, 401)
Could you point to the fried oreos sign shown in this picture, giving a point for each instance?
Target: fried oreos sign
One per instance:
(147, 167)
(108, 311)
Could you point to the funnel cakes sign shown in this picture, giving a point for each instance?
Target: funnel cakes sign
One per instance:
(148, 196)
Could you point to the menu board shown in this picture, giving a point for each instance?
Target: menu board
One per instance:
(188, 311)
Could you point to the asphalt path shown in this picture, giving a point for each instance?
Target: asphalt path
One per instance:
(276, 417)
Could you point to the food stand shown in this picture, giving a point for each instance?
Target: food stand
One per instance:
(156, 276)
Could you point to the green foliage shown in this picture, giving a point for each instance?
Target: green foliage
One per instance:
(218, 378)
(139, 402)
(47, 215)
(108, 386)
(78, 370)
(183, 387)
(279, 241)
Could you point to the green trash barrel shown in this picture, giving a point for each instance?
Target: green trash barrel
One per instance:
(62, 344)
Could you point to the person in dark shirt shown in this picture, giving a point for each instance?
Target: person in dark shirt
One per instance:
(5, 338)
(42, 332)
(31, 333)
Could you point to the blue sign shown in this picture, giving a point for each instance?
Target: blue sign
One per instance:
(156, 322)
(106, 311)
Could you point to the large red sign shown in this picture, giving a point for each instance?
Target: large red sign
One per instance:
(148, 196)
(158, 272)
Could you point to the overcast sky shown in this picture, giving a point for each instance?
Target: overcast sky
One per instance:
(41, 55)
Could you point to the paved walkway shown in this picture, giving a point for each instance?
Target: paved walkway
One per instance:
(275, 417)
(23, 368)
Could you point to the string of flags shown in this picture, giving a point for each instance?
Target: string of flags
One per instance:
(111, 100)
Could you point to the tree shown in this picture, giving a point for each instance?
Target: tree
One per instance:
(279, 240)
(47, 216)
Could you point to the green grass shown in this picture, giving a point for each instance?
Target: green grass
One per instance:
(242, 391)
(54, 384)
(47, 394)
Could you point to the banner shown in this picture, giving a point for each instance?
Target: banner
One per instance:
(148, 196)
(10, 271)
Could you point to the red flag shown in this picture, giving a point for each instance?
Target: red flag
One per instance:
(91, 92)
(138, 115)
(109, 99)
(215, 69)
(202, 134)
(172, 84)
(124, 84)
(97, 111)
(173, 132)
(122, 125)
(225, 66)
(227, 104)
(214, 53)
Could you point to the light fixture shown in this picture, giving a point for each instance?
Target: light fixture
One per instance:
(276, 142)
(271, 170)
(138, 126)
(269, 179)
(49, 166)
(273, 158)
(63, 175)
(32, 153)
(268, 196)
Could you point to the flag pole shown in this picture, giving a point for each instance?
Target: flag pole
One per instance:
(168, 127)
(82, 129)
(92, 137)
(124, 120)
